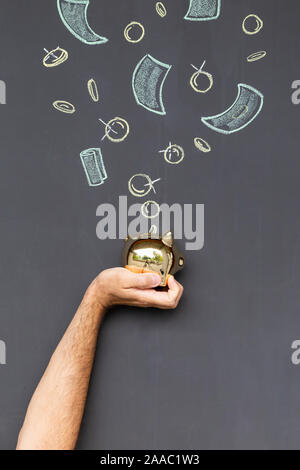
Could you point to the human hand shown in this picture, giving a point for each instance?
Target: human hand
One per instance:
(118, 286)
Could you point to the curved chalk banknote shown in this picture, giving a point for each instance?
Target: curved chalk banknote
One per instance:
(244, 110)
(203, 10)
(73, 14)
(147, 83)
(93, 166)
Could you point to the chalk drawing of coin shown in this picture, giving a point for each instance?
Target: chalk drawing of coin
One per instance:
(174, 154)
(55, 57)
(240, 112)
(73, 14)
(134, 32)
(252, 24)
(150, 209)
(256, 56)
(202, 145)
(120, 129)
(199, 75)
(93, 90)
(161, 9)
(139, 179)
(64, 106)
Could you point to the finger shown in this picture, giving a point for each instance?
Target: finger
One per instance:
(142, 280)
(149, 298)
(158, 299)
(175, 290)
(136, 269)
(154, 299)
(174, 287)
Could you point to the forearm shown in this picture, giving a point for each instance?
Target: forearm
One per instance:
(54, 414)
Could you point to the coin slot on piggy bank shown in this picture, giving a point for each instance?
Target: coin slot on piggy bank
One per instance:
(147, 254)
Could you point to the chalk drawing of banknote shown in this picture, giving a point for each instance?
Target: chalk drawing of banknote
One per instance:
(147, 83)
(203, 10)
(93, 166)
(241, 113)
(73, 14)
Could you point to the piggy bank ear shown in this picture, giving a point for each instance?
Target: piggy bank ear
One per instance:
(167, 239)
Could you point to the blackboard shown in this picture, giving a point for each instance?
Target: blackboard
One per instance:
(217, 371)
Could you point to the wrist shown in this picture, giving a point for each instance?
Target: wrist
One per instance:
(97, 296)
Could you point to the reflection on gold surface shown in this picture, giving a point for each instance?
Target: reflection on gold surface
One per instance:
(152, 255)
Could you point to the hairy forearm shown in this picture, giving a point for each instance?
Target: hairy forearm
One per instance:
(54, 414)
(55, 411)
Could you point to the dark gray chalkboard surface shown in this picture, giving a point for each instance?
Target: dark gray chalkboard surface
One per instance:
(217, 372)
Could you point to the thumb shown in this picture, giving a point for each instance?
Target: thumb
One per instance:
(144, 281)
